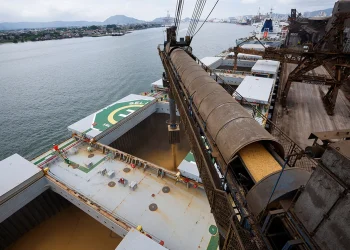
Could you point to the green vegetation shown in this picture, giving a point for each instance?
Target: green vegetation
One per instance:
(16, 36)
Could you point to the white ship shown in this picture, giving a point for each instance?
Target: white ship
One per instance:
(270, 31)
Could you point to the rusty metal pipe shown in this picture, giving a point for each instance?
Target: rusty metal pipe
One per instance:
(228, 123)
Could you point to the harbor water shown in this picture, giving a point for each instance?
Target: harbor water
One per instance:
(46, 86)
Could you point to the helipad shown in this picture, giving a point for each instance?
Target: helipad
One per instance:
(104, 119)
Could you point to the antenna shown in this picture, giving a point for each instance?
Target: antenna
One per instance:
(271, 12)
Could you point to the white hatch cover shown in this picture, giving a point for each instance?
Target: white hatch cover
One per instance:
(134, 240)
(256, 89)
(16, 173)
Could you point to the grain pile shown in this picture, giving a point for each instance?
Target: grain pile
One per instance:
(258, 161)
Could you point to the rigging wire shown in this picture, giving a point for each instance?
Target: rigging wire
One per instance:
(206, 18)
(192, 18)
(176, 12)
(179, 20)
(198, 16)
(175, 20)
(197, 12)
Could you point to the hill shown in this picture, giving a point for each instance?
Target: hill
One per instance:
(38, 25)
(117, 19)
(121, 20)
(317, 12)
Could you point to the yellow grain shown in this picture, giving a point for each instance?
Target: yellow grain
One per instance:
(258, 161)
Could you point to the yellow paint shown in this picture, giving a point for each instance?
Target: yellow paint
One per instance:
(258, 161)
(111, 115)
(46, 170)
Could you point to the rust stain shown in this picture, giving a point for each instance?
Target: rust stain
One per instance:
(189, 204)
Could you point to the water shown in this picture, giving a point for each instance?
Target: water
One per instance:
(46, 86)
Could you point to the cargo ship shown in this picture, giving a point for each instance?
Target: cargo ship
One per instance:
(107, 169)
(270, 32)
(119, 167)
(218, 178)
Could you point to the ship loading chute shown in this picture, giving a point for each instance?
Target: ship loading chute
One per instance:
(248, 175)
(208, 111)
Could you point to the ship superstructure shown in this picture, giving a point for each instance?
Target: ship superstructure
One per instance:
(269, 31)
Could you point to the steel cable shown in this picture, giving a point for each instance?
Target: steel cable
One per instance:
(180, 14)
(192, 18)
(196, 12)
(206, 18)
(177, 4)
(198, 16)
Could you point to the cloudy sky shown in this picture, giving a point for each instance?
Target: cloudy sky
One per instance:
(99, 10)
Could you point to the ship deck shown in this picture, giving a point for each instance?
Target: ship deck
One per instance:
(305, 111)
(182, 219)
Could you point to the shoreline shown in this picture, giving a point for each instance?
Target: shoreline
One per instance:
(72, 32)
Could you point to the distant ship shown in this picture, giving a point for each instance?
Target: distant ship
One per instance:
(243, 21)
(270, 31)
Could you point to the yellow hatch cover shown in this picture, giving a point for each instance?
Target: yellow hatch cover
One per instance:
(258, 161)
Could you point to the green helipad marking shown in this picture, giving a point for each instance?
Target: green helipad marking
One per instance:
(52, 153)
(190, 158)
(214, 242)
(87, 131)
(213, 229)
(87, 170)
(115, 113)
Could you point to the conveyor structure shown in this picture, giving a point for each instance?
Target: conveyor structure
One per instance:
(255, 185)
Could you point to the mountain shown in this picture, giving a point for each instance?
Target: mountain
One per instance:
(317, 12)
(117, 19)
(121, 20)
(37, 25)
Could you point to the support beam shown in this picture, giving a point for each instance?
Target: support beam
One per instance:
(307, 64)
(330, 98)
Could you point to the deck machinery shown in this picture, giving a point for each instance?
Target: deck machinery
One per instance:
(259, 201)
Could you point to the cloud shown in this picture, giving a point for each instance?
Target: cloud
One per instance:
(99, 10)
(249, 1)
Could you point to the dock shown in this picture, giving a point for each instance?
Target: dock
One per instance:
(305, 112)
